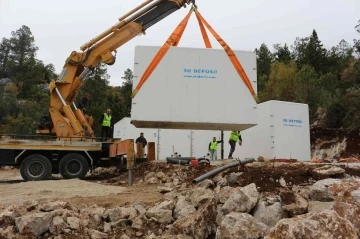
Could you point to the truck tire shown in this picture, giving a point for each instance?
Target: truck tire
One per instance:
(73, 165)
(35, 167)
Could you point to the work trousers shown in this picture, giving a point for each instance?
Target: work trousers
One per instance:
(105, 130)
(213, 154)
(232, 147)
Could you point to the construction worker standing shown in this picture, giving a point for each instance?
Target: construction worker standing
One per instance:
(234, 137)
(106, 124)
(213, 148)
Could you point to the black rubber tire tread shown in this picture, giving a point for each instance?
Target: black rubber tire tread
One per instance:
(31, 158)
(80, 159)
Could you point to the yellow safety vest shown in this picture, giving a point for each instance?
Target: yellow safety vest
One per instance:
(213, 145)
(106, 120)
(235, 135)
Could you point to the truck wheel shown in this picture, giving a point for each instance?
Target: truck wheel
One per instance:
(73, 165)
(35, 167)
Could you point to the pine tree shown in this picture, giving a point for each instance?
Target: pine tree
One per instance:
(264, 59)
(315, 54)
(282, 54)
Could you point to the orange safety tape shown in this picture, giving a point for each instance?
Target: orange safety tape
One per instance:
(173, 40)
(231, 55)
(203, 32)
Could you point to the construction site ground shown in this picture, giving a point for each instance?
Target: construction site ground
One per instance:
(109, 188)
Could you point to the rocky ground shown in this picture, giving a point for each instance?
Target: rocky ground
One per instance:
(260, 200)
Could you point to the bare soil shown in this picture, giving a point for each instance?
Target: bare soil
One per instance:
(109, 188)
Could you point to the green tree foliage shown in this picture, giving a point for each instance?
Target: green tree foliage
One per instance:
(309, 73)
(282, 53)
(264, 58)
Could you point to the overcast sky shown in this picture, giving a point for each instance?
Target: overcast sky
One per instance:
(62, 26)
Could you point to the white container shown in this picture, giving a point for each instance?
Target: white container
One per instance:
(187, 143)
(283, 132)
(174, 96)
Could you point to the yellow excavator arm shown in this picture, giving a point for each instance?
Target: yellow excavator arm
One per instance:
(68, 122)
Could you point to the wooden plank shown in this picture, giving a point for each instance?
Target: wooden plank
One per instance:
(130, 154)
(122, 147)
(151, 151)
(139, 150)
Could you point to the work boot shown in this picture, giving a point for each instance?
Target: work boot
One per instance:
(231, 157)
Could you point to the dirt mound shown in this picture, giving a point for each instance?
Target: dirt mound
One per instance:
(185, 173)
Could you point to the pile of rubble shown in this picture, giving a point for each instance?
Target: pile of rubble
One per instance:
(328, 208)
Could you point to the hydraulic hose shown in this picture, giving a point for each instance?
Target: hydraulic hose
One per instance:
(218, 170)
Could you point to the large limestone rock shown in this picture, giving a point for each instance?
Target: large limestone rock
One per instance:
(326, 224)
(51, 206)
(197, 225)
(225, 193)
(240, 226)
(183, 208)
(200, 195)
(117, 213)
(316, 206)
(298, 207)
(162, 212)
(319, 191)
(329, 170)
(347, 203)
(242, 200)
(91, 217)
(269, 214)
(34, 224)
(57, 225)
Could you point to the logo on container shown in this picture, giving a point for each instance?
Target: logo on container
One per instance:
(203, 73)
(292, 122)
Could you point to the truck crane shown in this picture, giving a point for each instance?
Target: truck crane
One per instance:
(74, 152)
(72, 124)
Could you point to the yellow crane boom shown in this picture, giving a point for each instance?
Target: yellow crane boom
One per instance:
(67, 122)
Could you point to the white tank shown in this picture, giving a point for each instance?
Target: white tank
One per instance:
(195, 89)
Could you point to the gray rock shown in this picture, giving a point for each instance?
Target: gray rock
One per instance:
(183, 208)
(153, 180)
(316, 206)
(324, 224)
(198, 225)
(200, 196)
(329, 170)
(268, 214)
(34, 224)
(162, 212)
(233, 177)
(240, 226)
(300, 206)
(118, 213)
(242, 200)
(95, 234)
(207, 183)
(319, 191)
(51, 206)
(57, 225)
(225, 193)
(165, 189)
(137, 223)
(149, 175)
(107, 227)
(74, 223)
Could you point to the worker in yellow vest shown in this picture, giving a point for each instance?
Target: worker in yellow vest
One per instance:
(106, 124)
(213, 148)
(234, 137)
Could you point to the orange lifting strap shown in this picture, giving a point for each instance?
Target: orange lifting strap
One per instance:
(174, 40)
